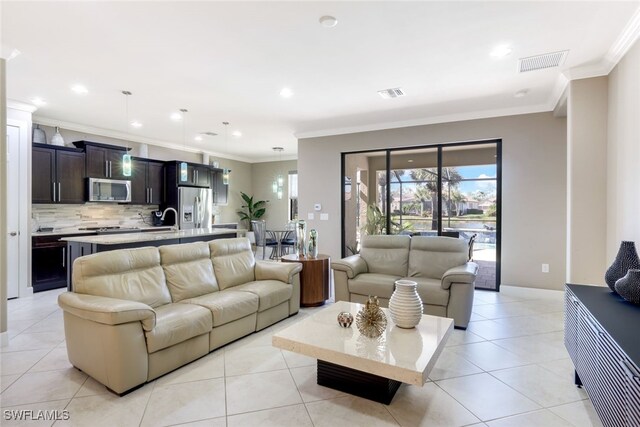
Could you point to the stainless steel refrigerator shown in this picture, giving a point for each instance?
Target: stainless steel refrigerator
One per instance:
(195, 207)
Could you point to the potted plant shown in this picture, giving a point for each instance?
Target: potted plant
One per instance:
(251, 211)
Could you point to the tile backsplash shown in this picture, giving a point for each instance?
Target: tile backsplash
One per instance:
(70, 217)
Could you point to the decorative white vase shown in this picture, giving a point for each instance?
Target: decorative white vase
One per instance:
(57, 139)
(405, 305)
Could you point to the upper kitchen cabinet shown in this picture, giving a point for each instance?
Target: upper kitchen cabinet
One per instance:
(57, 174)
(220, 189)
(197, 175)
(146, 181)
(103, 160)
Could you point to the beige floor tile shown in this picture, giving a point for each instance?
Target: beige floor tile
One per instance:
(475, 317)
(92, 387)
(107, 410)
(249, 360)
(295, 360)
(265, 390)
(52, 323)
(43, 387)
(486, 397)
(306, 380)
(257, 339)
(579, 414)
(186, 402)
(19, 362)
(294, 416)
(349, 411)
(212, 422)
(35, 414)
(492, 330)
(428, 406)
(7, 380)
(34, 341)
(55, 360)
(459, 337)
(537, 348)
(563, 367)
(540, 385)
(488, 356)
(541, 418)
(208, 367)
(491, 297)
(450, 365)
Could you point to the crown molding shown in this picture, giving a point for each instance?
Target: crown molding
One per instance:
(448, 118)
(134, 138)
(21, 106)
(624, 42)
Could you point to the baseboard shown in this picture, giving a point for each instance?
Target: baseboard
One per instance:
(4, 339)
(26, 292)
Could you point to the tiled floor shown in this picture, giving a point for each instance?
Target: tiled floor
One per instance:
(509, 368)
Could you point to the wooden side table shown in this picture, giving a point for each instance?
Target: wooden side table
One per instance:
(314, 278)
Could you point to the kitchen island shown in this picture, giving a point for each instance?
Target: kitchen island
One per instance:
(78, 246)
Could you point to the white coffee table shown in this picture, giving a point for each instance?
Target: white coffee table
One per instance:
(367, 367)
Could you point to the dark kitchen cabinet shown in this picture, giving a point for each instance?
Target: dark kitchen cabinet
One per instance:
(146, 181)
(49, 262)
(57, 174)
(103, 160)
(197, 175)
(220, 190)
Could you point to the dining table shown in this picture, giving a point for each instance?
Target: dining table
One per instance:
(279, 236)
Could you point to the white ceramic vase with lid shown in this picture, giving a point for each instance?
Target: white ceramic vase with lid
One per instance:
(405, 305)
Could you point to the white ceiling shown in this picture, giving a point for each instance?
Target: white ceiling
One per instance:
(228, 61)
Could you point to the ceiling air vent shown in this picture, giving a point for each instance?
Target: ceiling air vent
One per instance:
(540, 62)
(209, 133)
(391, 93)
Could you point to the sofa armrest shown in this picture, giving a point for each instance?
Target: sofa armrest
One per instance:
(108, 311)
(352, 265)
(461, 274)
(283, 271)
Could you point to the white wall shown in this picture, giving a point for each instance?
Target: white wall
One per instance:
(534, 186)
(623, 153)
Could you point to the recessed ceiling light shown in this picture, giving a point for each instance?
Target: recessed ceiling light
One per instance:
(79, 89)
(136, 124)
(521, 93)
(286, 92)
(176, 117)
(410, 161)
(328, 21)
(236, 133)
(38, 101)
(14, 53)
(501, 51)
(198, 138)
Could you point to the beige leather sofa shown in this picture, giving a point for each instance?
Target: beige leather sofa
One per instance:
(136, 314)
(438, 264)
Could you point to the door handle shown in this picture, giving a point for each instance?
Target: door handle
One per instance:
(64, 256)
(13, 233)
(54, 191)
(106, 168)
(110, 171)
(147, 194)
(194, 175)
(59, 192)
(151, 195)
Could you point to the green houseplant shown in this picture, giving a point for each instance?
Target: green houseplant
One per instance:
(251, 210)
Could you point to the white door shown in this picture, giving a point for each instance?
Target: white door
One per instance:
(13, 214)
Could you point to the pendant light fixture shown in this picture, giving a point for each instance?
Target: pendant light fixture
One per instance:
(184, 175)
(126, 157)
(278, 183)
(225, 171)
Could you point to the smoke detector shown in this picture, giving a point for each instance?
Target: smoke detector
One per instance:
(540, 62)
(391, 93)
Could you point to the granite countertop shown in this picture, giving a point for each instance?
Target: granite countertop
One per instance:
(66, 231)
(120, 239)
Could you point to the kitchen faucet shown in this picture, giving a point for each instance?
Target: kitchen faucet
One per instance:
(176, 226)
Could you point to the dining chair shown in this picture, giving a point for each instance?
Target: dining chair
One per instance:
(289, 240)
(260, 231)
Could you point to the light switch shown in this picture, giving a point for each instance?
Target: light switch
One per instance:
(310, 215)
(324, 217)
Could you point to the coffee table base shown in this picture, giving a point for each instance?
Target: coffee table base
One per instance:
(358, 383)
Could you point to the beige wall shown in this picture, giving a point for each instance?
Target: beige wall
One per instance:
(263, 174)
(534, 186)
(3, 205)
(623, 153)
(586, 180)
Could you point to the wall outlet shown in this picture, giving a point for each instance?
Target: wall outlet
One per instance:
(545, 268)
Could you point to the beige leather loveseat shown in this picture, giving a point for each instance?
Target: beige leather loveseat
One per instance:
(438, 264)
(136, 314)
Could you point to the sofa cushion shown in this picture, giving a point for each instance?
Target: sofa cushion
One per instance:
(380, 285)
(233, 261)
(130, 274)
(431, 257)
(188, 270)
(227, 306)
(270, 292)
(430, 291)
(386, 254)
(176, 323)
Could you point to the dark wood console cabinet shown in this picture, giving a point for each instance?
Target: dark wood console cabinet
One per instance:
(601, 336)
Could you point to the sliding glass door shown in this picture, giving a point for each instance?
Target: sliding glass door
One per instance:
(442, 190)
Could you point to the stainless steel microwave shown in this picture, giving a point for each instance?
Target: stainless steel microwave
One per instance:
(109, 190)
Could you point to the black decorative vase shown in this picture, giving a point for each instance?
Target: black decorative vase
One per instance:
(626, 260)
(629, 286)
